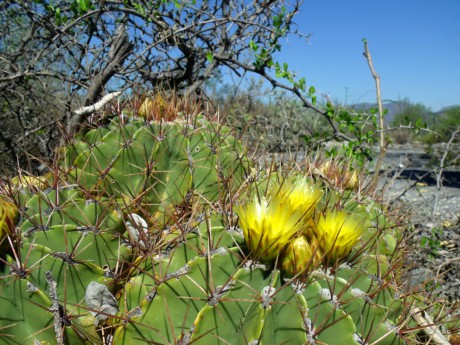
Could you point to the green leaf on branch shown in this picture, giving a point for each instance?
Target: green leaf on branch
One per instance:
(301, 84)
(253, 45)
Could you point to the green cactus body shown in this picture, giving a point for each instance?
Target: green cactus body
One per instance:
(25, 317)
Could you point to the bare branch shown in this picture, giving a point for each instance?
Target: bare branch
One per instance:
(294, 90)
(98, 105)
(381, 126)
(75, 55)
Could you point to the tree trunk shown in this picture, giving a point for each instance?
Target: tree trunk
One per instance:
(120, 49)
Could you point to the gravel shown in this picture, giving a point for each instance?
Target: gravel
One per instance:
(433, 216)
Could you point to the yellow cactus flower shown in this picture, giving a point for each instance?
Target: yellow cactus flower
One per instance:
(338, 232)
(8, 217)
(268, 226)
(301, 255)
(300, 194)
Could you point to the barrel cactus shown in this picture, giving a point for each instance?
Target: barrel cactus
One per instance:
(162, 232)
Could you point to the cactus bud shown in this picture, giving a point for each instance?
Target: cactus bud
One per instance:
(340, 174)
(300, 255)
(146, 109)
(37, 182)
(352, 180)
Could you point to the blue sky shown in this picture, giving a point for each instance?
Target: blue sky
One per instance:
(415, 47)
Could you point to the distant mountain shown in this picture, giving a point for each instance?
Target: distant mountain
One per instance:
(393, 108)
(443, 110)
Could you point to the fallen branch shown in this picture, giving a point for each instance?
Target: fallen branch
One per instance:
(428, 326)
